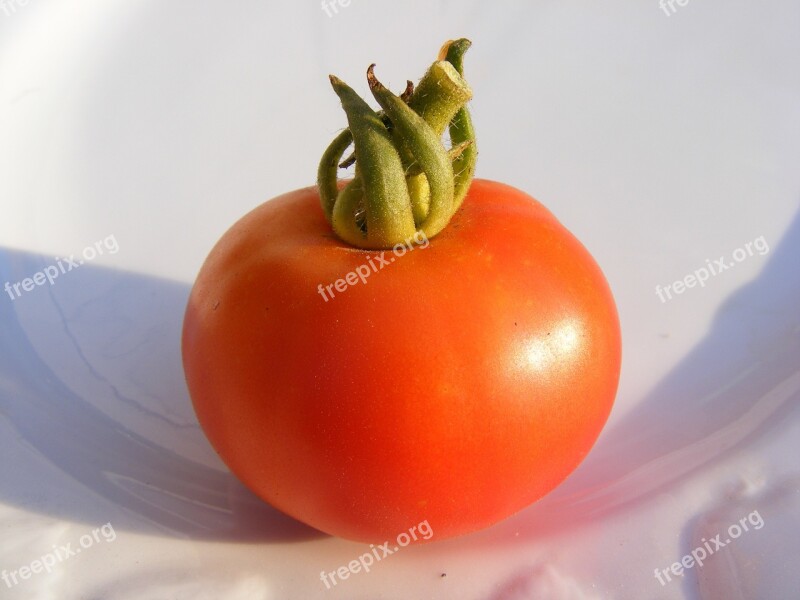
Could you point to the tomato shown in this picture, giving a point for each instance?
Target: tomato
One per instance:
(456, 383)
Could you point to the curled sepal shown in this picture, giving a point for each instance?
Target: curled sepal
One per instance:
(347, 205)
(379, 183)
(328, 172)
(427, 150)
(351, 159)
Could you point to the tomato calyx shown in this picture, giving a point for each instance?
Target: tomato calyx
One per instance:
(406, 182)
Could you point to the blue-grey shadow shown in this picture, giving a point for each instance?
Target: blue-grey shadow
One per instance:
(95, 420)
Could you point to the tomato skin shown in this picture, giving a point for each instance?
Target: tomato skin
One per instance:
(458, 384)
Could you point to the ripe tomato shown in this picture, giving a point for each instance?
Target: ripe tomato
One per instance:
(455, 384)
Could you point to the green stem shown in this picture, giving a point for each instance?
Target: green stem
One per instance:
(461, 129)
(441, 92)
(405, 179)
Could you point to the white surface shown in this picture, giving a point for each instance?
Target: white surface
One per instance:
(660, 141)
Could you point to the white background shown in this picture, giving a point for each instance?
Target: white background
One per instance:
(659, 140)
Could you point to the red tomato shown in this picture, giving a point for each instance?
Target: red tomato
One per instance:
(456, 384)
